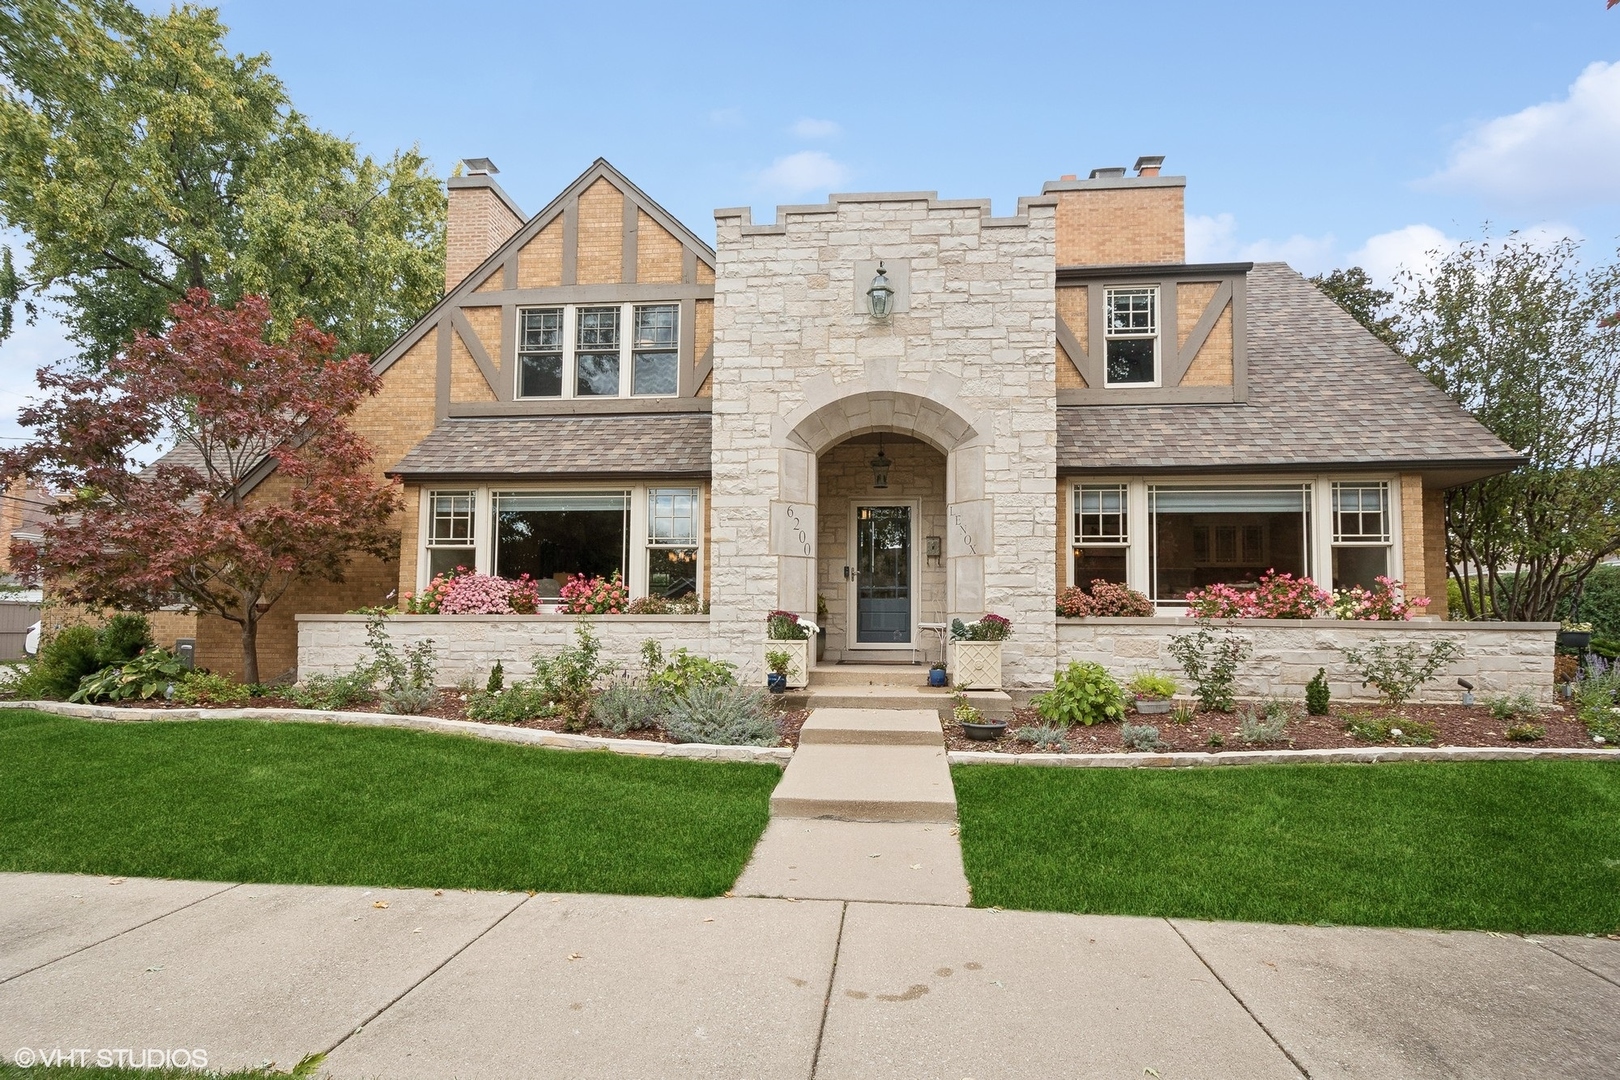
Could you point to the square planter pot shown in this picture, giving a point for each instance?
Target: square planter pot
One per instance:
(976, 665)
(799, 673)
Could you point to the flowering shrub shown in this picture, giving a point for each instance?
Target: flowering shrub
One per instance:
(1103, 599)
(649, 605)
(427, 601)
(1277, 596)
(476, 594)
(1220, 601)
(525, 596)
(1383, 603)
(595, 596)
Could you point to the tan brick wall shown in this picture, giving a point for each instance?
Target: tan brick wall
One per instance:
(467, 383)
(540, 260)
(1414, 561)
(477, 223)
(1191, 299)
(1434, 550)
(1213, 364)
(409, 536)
(703, 329)
(1063, 486)
(658, 253)
(393, 421)
(705, 388)
(1121, 225)
(600, 255)
(495, 282)
(1072, 305)
(486, 323)
(705, 273)
(170, 626)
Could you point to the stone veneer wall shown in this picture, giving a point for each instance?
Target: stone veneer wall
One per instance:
(1498, 658)
(468, 645)
(968, 365)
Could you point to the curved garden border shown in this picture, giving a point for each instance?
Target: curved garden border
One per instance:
(556, 740)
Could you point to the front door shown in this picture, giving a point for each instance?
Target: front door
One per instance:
(882, 585)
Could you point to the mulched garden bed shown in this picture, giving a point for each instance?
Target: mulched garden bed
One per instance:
(449, 706)
(1454, 725)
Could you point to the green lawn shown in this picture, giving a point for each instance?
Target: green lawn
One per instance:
(313, 803)
(1532, 847)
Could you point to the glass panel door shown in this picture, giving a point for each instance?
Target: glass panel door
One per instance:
(883, 575)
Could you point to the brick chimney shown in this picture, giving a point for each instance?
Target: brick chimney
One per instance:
(481, 218)
(1112, 218)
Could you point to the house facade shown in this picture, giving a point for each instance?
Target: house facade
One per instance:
(1053, 397)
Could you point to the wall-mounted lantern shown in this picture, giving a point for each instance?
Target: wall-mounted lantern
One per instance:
(880, 469)
(881, 295)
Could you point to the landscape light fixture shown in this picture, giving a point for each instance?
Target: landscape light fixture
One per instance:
(1468, 691)
(881, 295)
(880, 467)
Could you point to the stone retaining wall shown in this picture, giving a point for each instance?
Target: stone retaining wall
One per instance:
(468, 645)
(1498, 658)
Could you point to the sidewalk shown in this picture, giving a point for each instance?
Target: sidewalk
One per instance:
(411, 983)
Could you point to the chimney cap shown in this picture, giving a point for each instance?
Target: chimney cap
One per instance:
(1108, 173)
(1068, 176)
(479, 165)
(1149, 164)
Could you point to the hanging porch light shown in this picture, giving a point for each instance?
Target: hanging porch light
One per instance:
(880, 468)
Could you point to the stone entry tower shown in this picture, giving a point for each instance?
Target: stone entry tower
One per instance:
(966, 363)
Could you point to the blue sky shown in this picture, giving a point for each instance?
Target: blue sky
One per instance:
(1320, 134)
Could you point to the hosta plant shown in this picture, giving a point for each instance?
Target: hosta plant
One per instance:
(1082, 693)
(148, 675)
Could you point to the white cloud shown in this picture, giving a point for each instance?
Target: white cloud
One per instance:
(806, 171)
(1565, 152)
(1215, 239)
(807, 128)
(1416, 247)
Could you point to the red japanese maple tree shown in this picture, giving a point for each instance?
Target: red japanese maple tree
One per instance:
(239, 406)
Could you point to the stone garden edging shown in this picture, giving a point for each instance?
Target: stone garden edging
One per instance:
(556, 740)
(1344, 755)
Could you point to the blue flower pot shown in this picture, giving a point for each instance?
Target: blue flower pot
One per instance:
(936, 676)
(776, 684)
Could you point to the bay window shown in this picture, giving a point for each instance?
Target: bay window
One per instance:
(1229, 535)
(1361, 533)
(551, 536)
(1101, 533)
(672, 542)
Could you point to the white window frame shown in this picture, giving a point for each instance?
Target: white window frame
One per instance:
(570, 335)
(1139, 565)
(1156, 332)
(658, 544)
(637, 523)
(1387, 541)
(1128, 524)
(429, 519)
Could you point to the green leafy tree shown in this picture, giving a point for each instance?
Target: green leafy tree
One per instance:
(1515, 334)
(1353, 290)
(143, 160)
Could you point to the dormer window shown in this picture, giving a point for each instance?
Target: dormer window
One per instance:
(1131, 326)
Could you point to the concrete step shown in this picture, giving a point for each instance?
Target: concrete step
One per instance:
(898, 862)
(866, 783)
(873, 727)
(993, 703)
(869, 675)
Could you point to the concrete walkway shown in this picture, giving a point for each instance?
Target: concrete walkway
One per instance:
(865, 811)
(414, 983)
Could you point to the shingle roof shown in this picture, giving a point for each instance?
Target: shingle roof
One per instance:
(675, 444)
(1322, 391)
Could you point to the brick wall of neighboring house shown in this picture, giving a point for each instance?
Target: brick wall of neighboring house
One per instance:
(22, 509)
(1112, 226)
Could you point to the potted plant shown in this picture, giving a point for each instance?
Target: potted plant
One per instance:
(1575, 635)
(779, 661)
(1152, 692)
(936, 673)
(974, 724)
(976, 652)
(786, 632)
